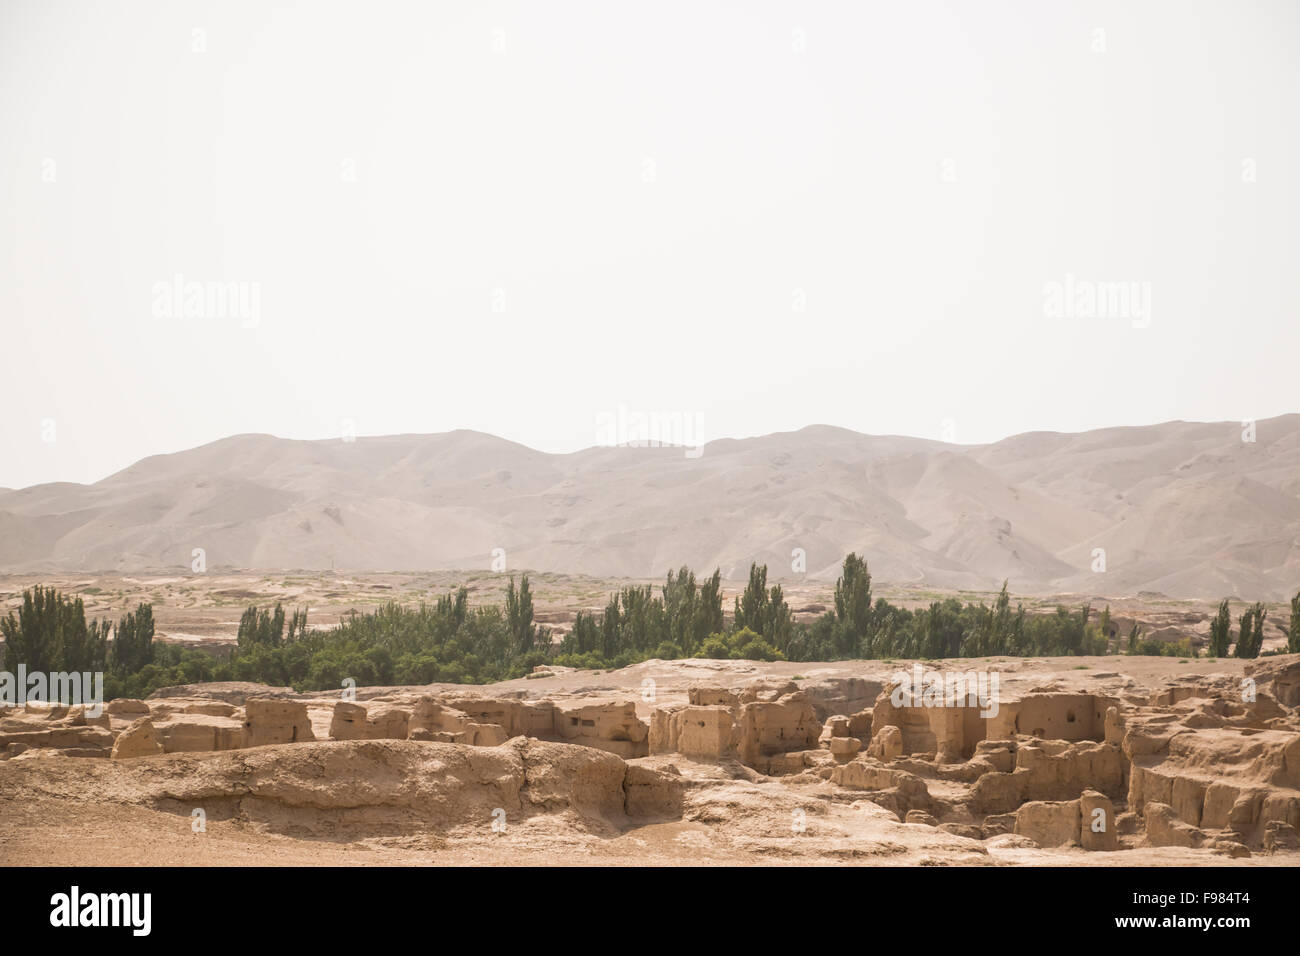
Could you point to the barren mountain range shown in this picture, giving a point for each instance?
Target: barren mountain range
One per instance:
(1185, 509)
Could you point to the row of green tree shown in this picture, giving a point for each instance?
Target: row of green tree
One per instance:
(450, 641)
(49, 632)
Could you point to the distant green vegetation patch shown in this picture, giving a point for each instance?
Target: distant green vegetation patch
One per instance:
(448, 641)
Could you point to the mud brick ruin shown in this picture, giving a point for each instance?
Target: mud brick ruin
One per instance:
(1211, 765)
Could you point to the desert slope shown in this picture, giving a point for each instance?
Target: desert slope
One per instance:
(1187, 509)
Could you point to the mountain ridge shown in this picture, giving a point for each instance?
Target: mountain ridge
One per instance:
(1184, 508)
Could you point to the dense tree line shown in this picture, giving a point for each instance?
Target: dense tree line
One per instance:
(266, 628)
(637, 623)
(49, 633)
(449, 641)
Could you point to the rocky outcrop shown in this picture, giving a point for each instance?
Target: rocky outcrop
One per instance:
(199, 733)
(1164, 828)
(897, 790)
(127, 707)
(886, 743)
(1048, 824)
(138, 740)
(235, 693)
(65, 730)
(841, 695)
(1233, 778)
(1098, 823)
(349, 790)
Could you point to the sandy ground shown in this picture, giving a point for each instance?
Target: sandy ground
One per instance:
(49, 832)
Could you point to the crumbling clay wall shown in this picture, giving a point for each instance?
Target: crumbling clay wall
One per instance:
(614, 728)
(270, 721)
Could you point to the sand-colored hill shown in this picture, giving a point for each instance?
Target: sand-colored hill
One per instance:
(1185, 509)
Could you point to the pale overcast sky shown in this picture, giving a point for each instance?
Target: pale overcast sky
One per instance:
(515, 217)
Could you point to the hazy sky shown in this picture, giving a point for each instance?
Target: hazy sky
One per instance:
(515, 217)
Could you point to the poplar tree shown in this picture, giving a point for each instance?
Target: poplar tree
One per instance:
(1221, 631)
(1293, 632)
